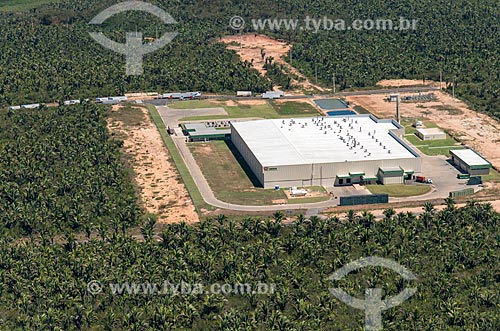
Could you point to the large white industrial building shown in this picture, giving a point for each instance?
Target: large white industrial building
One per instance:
(337, 150)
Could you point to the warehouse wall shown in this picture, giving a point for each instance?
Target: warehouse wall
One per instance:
(435, 136)
(477, 172)
(247, 154)
(326, 173)
(459, 163)
(387, 180)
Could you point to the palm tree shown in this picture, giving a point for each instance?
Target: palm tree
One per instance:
(351, 215)
(429, 208)
(450, 203)
(389, 213)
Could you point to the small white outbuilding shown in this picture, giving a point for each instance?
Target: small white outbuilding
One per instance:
(431, 134)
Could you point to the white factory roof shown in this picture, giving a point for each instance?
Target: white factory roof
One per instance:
(470, 157)
(321, 140)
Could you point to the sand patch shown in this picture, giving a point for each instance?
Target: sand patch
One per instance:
(161, 189)
(471, 128)
(250, 46)
(252, 102)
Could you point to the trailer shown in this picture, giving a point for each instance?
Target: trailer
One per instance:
(181, 96)
(14, 107)
(111, 99)
(273, 95)
(71, 102)
(298, 192)
(32, 106)
(243, 93)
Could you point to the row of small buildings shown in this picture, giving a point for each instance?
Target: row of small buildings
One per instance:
(327, 151)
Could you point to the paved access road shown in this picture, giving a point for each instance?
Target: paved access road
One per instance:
(443, 174)
(414, 89)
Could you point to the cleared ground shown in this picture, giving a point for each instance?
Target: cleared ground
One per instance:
(469, 127)
(249, 48)
(161, 189)
(232, 181)
(406, 82)
(399, 191)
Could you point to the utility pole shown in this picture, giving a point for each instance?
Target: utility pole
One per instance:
(334, 84)
(291, 56)
(316, 72)
(398, 115)
(441, 80)
(453, 86)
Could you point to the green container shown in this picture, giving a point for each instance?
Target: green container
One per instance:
(364, 199)
(462, 193)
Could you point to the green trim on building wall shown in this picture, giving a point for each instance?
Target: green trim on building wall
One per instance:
(392, 172)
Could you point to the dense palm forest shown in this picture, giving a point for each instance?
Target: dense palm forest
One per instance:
(46, 53)
(70, 215)
(61, 172)
(454, 254)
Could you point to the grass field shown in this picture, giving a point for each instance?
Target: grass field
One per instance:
(267, 110)
(494, 176)
(22, 5)
(292, 108)
(230, 178)
(408, 124)
(399, 190)
(429, 147)
(361, 110)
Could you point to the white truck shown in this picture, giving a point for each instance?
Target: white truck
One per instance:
(244, 93)
(273, 95)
